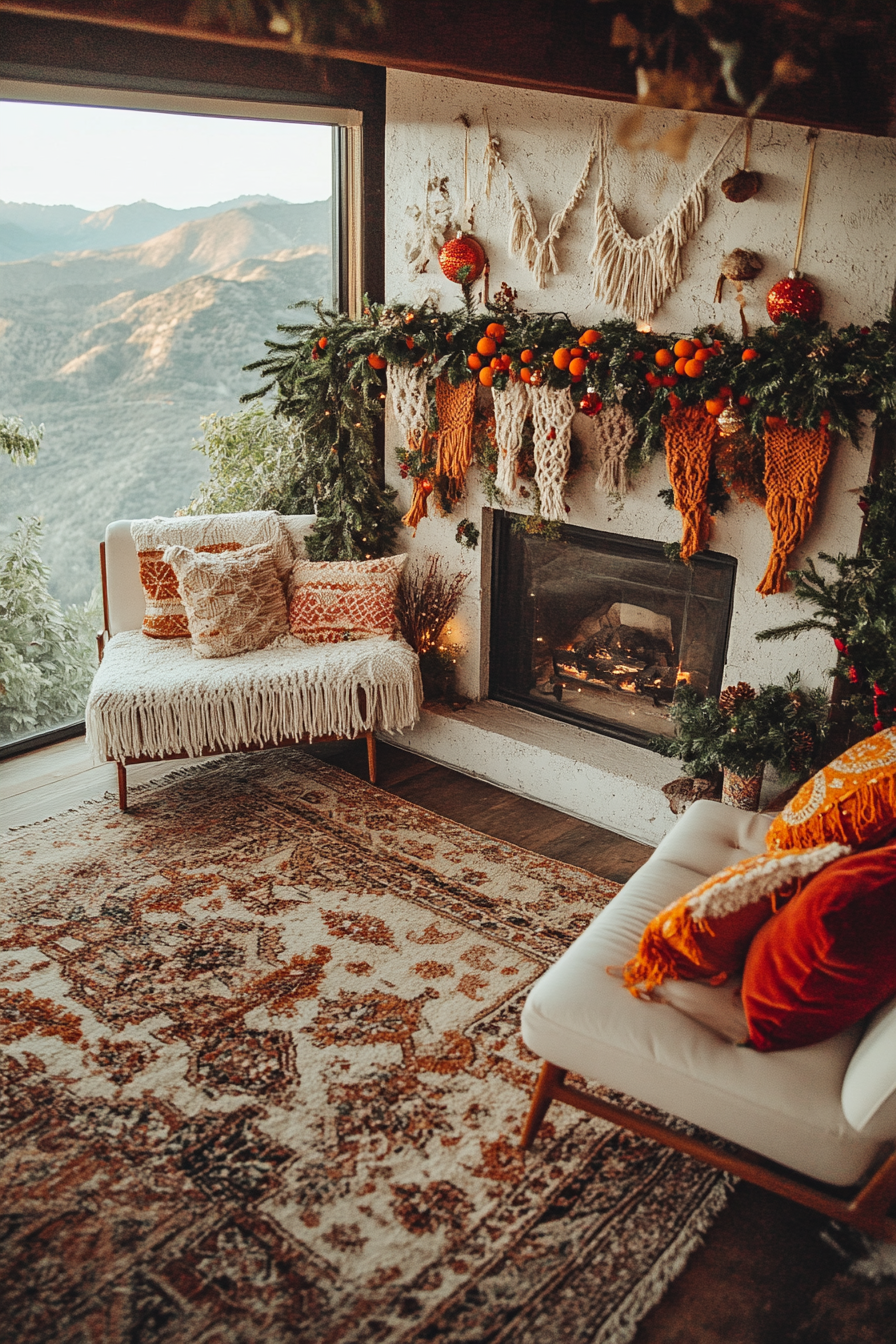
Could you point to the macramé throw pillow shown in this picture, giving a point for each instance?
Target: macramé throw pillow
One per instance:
(335, 600)
(234, 600)
(826, 960)
(705, 934)
(852, 800)
(213, 534)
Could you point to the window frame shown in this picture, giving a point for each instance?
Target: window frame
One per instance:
(77, 88)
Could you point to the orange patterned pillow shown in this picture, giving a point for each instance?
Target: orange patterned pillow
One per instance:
(335, 600)
(212, 534)
(852, 800)
(705, 935)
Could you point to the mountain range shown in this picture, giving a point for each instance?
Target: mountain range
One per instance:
(120, 347)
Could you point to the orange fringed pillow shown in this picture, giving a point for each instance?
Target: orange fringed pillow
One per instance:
(705, 935)
(852, 800)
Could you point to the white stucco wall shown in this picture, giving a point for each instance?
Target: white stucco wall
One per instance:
(849, 252)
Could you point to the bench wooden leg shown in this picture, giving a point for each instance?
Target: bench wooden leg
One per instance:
(371, 757)
(122, 785)
(550, 1076)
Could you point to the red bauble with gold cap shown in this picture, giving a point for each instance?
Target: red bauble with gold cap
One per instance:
(793, 297)
(462, 259)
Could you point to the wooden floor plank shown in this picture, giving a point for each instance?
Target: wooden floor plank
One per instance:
(58, 778)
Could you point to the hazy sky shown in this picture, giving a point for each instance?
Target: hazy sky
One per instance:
(94, 157)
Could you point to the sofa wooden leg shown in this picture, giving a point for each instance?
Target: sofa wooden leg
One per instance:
(122, 785)
(549, 1077)
(371, 758)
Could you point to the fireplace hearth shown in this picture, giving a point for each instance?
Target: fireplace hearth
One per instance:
(599, 629)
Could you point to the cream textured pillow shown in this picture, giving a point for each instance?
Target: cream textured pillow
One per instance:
(335, 600)
(234, 600)
(165, 617)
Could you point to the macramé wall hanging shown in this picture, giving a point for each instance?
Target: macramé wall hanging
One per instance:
(634, 275)
(539, 254)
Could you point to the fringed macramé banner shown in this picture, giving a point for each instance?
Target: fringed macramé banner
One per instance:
(634, 275)
(538, 254)
(794, 462)
(689, 432)
(511, 409)
(552, 413)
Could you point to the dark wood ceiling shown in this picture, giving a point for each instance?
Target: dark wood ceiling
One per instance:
(821, 62)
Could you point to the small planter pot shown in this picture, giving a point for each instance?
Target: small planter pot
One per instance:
(742, 790)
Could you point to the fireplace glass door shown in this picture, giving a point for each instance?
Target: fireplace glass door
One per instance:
(599, 629)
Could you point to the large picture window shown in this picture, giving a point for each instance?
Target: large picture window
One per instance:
(149, 244)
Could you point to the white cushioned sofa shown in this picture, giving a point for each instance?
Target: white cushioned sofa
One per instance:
(826, 1112)
(151, 699)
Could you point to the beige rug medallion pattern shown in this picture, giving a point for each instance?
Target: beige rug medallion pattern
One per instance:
(262, 1081)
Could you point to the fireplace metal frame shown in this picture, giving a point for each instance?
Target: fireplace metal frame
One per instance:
(595, 540)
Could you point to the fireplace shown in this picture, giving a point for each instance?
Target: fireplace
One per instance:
(599, 629)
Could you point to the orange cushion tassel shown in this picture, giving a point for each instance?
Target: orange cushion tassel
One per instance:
(794, 461)
(689, 432)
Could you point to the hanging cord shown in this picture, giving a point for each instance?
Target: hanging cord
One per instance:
(748, 140)
(812, 138)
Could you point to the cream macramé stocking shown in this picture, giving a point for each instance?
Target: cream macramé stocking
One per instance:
(552, 413)
(511, 409)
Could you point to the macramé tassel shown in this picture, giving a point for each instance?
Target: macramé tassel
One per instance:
(511, 409)
(552, 413)
(455, 406)
(615, 434)
(794, 461)
(418, 510)
(410, 402)
(689, 434)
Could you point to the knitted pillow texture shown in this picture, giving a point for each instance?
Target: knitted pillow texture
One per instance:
(852, 800)
(826, 960)
(234, 601)
(705, 934)
(214, 534)
(336, 600)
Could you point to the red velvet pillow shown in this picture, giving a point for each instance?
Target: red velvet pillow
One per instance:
(828, 958)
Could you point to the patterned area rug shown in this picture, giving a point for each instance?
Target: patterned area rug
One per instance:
(262, 1081)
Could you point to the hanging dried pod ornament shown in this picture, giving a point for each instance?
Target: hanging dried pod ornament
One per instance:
(743, 184)
(795, 296)
(739, 266)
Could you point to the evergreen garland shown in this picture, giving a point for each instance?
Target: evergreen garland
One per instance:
(329, 380)
(856, 606)
(328, 388)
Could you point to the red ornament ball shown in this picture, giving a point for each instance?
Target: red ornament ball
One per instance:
(462, 259)
(793, 297)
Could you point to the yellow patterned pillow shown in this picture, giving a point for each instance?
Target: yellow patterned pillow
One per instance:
(852, 800)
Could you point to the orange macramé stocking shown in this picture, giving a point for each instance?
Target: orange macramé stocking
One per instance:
(689, 434)
(455, 406)
(794, 461)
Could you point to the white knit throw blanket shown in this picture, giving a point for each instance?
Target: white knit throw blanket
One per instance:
(552, 413)
(511, 409)
(634, 275)
(539, 254)
(151, 697)
(614, 435)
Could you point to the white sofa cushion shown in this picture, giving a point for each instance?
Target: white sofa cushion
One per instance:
(785, 1106)
(869, 1088)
